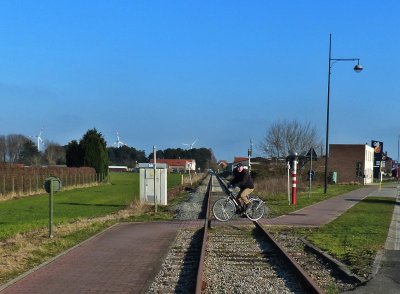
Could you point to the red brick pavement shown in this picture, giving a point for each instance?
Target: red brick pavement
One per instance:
(122, 259)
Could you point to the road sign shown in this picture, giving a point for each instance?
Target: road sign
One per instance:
(312, 154)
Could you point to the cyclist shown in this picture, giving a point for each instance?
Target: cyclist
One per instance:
(243, 180)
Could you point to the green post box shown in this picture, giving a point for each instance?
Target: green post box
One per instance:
(52, 184)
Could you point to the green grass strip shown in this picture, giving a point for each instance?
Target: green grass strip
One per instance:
(357, 235)
(29, 213)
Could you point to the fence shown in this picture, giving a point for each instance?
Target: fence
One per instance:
(189, 179)
(24, 181)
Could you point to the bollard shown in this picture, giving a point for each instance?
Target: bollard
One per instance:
(292, 159)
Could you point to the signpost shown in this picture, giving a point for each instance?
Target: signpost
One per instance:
(51, 185)
(313, 156)
(155, 172)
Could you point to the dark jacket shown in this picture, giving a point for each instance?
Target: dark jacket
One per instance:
(242, 180)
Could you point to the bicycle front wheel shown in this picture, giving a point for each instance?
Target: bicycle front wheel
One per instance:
(223, 209)
(257, 210)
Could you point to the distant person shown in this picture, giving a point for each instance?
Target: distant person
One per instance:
(243, 180)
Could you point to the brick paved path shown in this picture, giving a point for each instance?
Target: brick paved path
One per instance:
(122, 259)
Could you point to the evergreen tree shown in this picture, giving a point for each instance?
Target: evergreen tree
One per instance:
(29, 154)
(74, 154)
(125, 155)
(94, 151)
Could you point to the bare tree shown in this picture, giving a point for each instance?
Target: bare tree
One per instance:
(14, 146)
(3, 148)
(54, 153)
(285, 136)
(17, 148)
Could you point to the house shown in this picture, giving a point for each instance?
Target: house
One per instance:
(178, 165)
(351, 162)
(243, 160)
(223, 164)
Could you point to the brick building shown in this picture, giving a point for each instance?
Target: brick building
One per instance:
(345, 159)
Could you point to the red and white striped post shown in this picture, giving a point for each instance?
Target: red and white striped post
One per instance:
(294, 181)
(292, 167)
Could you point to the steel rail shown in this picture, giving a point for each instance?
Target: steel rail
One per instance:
(200, 270)
(308, 283)
(304, 278)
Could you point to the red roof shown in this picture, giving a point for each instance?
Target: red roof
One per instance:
(224, 163)
(173, 162)
(240, 159)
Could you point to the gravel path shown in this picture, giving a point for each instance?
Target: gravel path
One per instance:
(192, 207)
(179, 270)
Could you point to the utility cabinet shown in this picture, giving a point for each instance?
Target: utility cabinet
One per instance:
(149, 189)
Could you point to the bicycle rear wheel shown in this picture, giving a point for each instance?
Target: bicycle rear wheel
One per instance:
(257, 209)
(223, 209)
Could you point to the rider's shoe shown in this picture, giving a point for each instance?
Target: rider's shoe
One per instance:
(248, 207)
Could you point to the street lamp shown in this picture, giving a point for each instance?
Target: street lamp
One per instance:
(398, 150)
(357, 68)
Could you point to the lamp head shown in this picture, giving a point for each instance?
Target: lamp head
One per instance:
(358, 68)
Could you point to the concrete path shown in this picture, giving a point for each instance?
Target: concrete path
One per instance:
(322, 212)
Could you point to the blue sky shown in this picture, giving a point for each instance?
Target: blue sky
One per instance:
(167, 72)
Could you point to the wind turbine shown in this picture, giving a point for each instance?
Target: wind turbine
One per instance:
(39, 140)
(119, 143)
(190, 145)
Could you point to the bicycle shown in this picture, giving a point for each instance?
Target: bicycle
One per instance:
(225, 208)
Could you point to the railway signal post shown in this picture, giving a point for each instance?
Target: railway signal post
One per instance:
(293, 160)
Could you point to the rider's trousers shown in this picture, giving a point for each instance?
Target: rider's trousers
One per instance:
(244, 195)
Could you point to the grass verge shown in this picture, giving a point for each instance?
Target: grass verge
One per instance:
(357, 235)
(32, 213)
(354, 238)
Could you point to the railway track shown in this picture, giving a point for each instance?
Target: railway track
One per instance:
(240, 258)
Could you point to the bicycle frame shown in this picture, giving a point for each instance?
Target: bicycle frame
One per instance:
(226, 207)
(233, 199)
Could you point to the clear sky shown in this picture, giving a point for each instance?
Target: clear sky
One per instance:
(167, 72)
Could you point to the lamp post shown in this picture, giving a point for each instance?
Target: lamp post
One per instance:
(397, 166)
(250, 153)
(357, 68)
